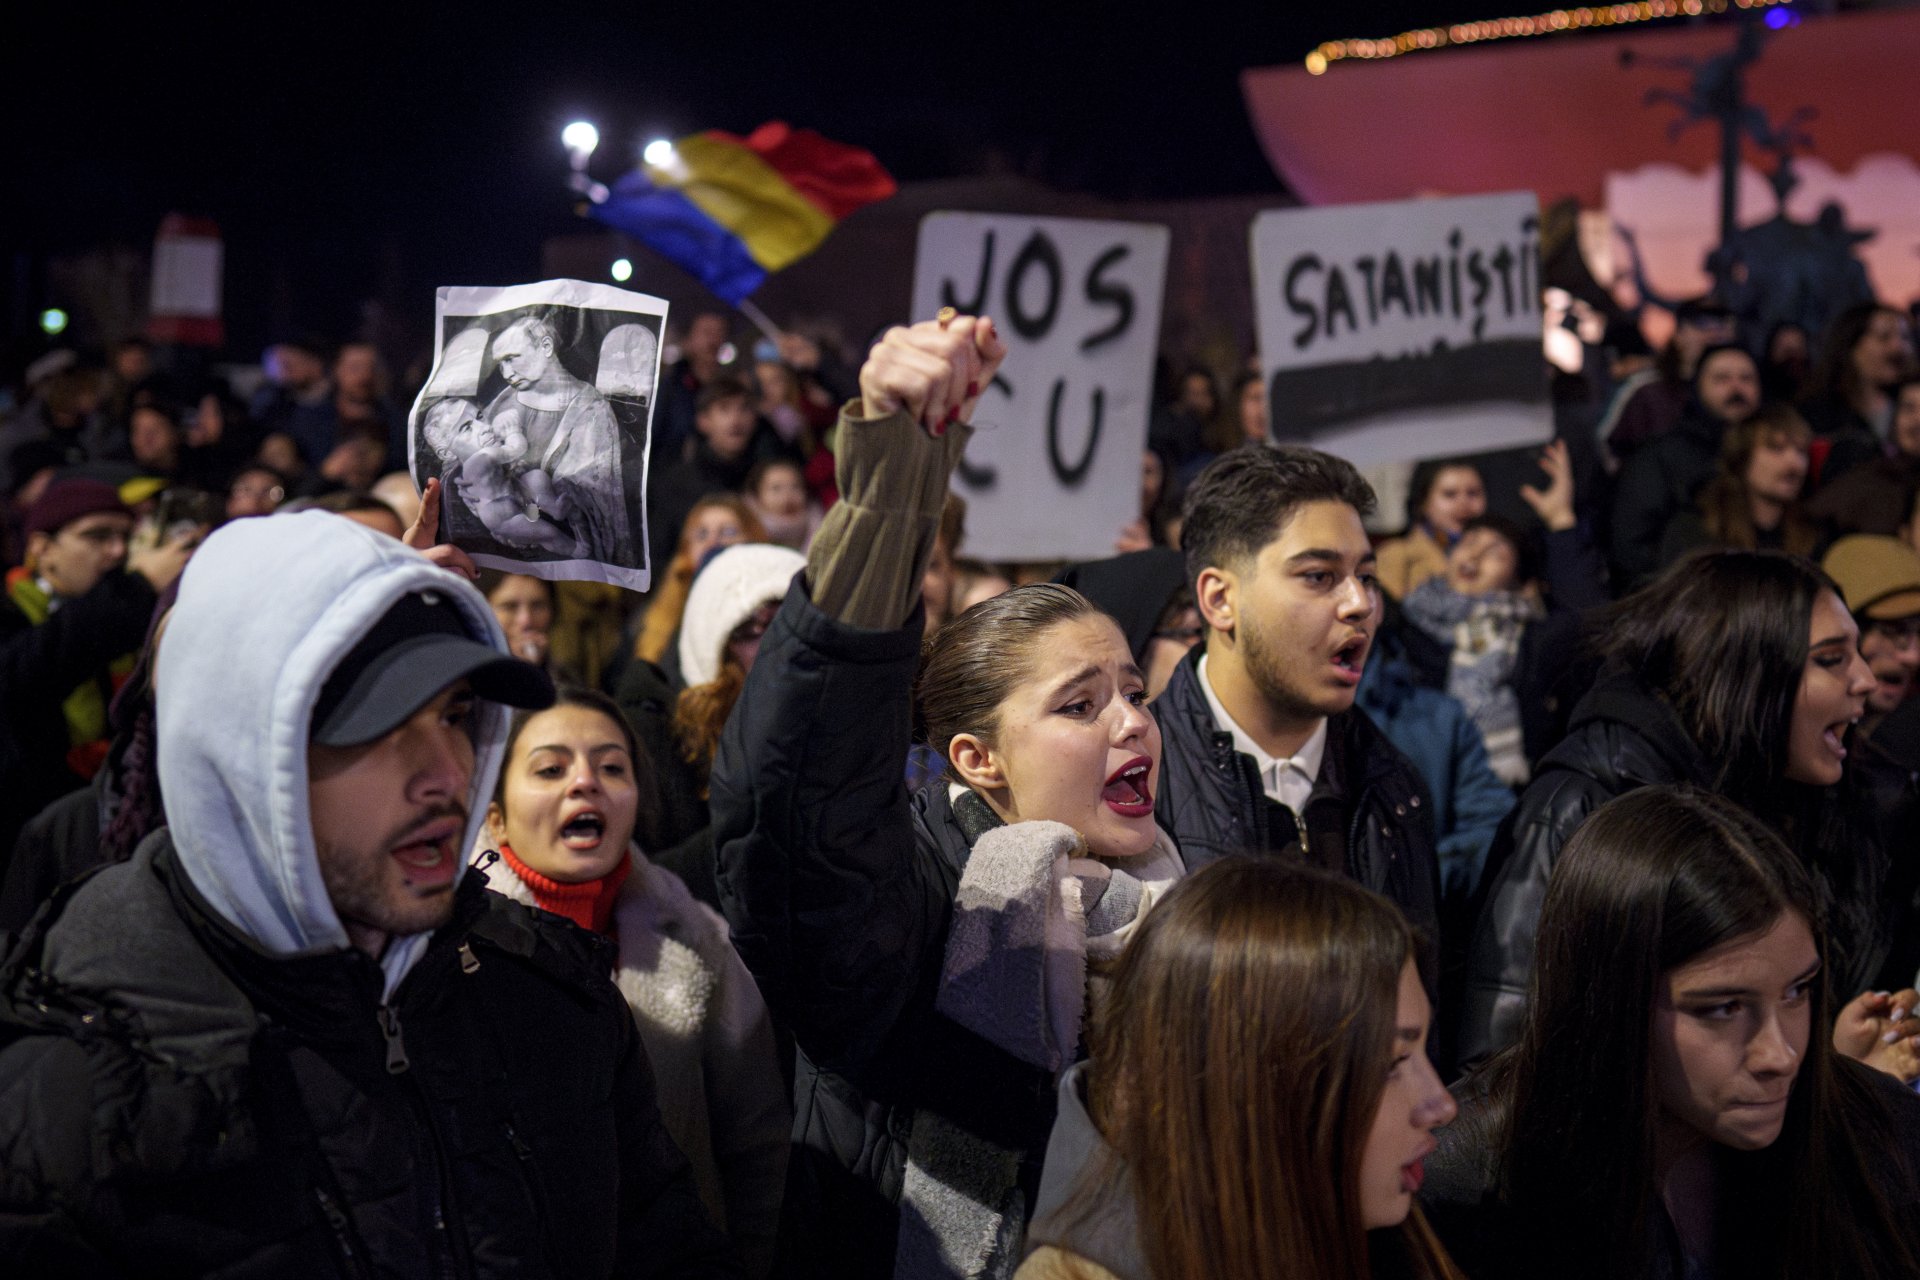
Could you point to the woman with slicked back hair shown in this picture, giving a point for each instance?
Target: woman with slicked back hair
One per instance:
(929, 951)
(1258, 1101)
(1674, 1107)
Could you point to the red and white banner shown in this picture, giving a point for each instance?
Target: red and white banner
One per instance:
(187, 259)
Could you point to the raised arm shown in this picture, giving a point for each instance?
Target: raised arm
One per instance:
(834, 913)
(1576, 575)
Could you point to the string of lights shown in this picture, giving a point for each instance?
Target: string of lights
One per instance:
(1543, 24)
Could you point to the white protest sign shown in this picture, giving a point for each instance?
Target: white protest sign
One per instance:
(1053, 470)
(1391, 332)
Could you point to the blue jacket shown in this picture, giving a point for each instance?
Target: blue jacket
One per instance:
(1433, 731)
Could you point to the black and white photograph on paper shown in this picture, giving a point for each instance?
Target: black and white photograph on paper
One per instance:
(536, 422)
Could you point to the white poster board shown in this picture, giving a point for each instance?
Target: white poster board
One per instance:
(1053, 470)
(1406, 330)
(536, 420)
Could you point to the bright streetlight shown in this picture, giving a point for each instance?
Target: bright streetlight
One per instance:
(580, 137)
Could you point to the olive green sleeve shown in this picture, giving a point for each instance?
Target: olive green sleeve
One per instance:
(868, 557)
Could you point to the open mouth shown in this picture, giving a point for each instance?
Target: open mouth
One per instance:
(1835, 737)
(1414, 1171)
(1350, 659)
(1128, 792)
(583, 830)
(430, 848)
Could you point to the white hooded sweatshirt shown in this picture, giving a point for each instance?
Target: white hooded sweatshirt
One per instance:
(268, 607)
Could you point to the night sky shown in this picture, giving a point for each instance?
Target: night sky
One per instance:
(351, 152)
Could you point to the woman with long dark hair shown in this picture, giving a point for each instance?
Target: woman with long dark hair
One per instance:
(1878, 496)
(1673, 1107)
(1258, 1101)
(1739, 672)
(928, 951)
(1867, 352)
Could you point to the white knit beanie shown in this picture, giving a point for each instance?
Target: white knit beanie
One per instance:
(734, 584)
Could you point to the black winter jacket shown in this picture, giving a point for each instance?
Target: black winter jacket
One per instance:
(1368, 814)
(180, 1103)
(1658, 482)
(839, 888)
(1623, 737)
(61, 843)
(40, 666)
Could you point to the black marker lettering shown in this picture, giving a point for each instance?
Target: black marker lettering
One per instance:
(1503, 263)
(1037, 250)
(1529, 263)
(1339, 301)
(1393, 284)
(1426, 286)
(1071, 474)
(1453, 271)
(1118, 296)
(1302, 338)
(1482, 282)
(979, 478)
(979, 301)
(1365, 267)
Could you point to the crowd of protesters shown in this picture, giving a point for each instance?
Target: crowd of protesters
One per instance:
(1527, 882)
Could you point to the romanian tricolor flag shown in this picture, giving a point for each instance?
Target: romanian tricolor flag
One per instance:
(730, 209)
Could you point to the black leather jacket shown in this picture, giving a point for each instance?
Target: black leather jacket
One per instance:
(1623, 737)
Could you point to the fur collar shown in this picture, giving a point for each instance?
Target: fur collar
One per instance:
(669, 944)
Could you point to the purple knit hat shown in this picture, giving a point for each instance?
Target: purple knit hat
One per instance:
(72, 499)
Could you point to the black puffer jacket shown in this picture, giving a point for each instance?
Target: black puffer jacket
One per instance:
(40, 667)
(1623, 737)
(180, 1103)
(839, 888)
(1368, 814)
(1657, 482)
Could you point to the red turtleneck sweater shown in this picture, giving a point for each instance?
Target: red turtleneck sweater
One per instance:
(588, 904)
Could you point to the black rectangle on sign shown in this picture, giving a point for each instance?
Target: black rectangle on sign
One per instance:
(1309, 399)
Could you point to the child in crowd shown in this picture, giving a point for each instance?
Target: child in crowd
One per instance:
(777, 491)
(517, 502)
(1509, 646)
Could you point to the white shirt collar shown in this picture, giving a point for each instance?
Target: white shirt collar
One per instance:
(1287, 779)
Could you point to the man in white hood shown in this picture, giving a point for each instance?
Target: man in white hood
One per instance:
(293, 1035)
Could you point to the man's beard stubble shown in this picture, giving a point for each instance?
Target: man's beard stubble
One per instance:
(363, 893)
(1266, 667)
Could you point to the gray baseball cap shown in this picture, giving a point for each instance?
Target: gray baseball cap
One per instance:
(416, 649)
